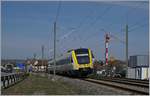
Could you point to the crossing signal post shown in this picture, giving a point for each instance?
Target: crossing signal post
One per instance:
(106, 48)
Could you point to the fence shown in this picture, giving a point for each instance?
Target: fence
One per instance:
(9, 79)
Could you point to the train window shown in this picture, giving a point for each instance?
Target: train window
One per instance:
(63, 61)
(81, 51)
(83, 59)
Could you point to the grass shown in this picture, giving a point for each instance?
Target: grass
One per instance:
(36, 85)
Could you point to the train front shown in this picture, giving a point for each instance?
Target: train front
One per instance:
(83, 61)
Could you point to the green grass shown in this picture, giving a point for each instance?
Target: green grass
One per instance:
(35, 85)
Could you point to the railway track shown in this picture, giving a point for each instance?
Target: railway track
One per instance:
(134, 87)
(140, 83)
(129, 80)
(138, 87)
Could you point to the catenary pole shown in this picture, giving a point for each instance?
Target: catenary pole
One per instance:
(54, 49)
(126, 45)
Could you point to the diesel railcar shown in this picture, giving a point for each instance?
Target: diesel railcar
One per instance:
(77, 62)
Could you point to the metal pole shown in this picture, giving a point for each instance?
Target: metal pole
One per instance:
(127, 45)
(42, 54)
(54, 49)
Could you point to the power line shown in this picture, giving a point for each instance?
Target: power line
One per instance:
(133, 29)
(129, 11)
(136, 24)
(78, 26)
(99, 17)
(121, 41)
(108, 26)
(83, 20)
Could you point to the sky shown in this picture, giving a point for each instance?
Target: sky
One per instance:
(27, 25)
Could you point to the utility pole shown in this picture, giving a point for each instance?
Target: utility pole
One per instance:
(42, 55)
(127, 45)
(54, 50)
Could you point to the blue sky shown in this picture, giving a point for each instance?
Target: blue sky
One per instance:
(26, 25)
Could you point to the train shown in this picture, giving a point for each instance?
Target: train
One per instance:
(76, 62)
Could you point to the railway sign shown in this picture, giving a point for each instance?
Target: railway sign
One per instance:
(21, 65)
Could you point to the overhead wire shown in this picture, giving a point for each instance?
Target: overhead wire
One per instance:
(129, 27)
(137, 27)
(79, 26)
(99, 18)
(128, 12)
(138, 22)
(92, 23)
(113, 35)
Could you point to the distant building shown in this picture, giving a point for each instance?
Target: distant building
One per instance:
(139, 61)
(37, 65)
(138, 67)
(138, 73)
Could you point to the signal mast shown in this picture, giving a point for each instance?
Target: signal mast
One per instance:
(106, 48)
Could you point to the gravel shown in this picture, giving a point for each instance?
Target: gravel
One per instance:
(88, 88)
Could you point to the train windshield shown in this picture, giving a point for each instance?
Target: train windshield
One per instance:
(82, 56)
(83, 59)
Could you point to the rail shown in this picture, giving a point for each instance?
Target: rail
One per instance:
(128, 81)
(10, 79)
(121, 85)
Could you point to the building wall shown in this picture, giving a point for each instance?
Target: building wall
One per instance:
(131, 73)
(138, 73)
(139, 60)
(145, 73)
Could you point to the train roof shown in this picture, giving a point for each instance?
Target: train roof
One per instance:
(60, 57)
(77, 49)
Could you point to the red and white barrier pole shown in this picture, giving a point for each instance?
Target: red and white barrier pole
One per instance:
(106, 47)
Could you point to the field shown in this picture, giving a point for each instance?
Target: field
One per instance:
(37, 85)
